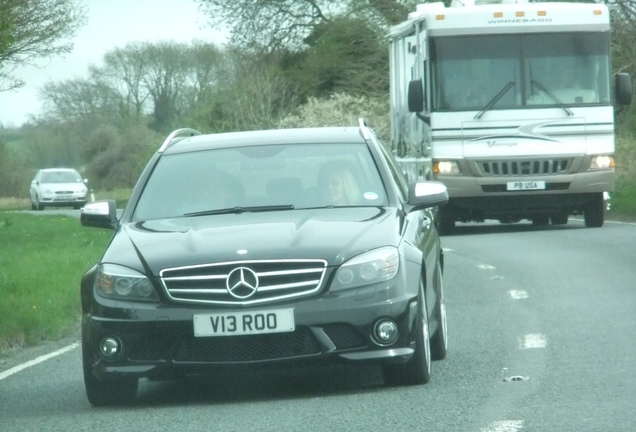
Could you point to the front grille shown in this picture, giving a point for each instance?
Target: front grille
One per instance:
(271, 280)
(187, 348)
(524, 167)
(151, 348)
(298, 343)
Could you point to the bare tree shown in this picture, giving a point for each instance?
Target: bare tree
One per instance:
(124, 70)
(79, 98)
(272, 24)
(31, 30)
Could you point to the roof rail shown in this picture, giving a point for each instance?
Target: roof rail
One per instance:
(179, 133)
(364, 129)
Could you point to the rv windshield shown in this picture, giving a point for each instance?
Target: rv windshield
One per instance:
(469, 71)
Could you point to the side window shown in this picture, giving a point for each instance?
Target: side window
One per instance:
(396, 172)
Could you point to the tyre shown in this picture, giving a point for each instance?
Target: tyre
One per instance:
(559, 219)
(38, 205)
(541, 220)
(417, 370)
(594, 212)
(106, 393)
(439, 339)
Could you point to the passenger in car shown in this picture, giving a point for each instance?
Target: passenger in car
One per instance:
(337, 185)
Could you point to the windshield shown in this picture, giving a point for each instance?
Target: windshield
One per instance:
(60, 177)
(270, 178)
(543, 70)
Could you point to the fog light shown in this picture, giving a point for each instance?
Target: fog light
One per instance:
(110, 347)
(385, 332)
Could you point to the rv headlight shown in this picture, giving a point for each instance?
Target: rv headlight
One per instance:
(602, 162)
(445, 167)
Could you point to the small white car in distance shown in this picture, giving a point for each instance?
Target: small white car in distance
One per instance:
(58, 187)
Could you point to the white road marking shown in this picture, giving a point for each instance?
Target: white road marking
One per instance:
(485, 267)
(504, 426)
(535, 340)
(518, 294)
(38, 360)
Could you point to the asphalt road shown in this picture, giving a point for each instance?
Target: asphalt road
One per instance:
(541, 321)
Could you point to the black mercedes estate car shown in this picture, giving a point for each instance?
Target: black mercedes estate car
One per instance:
(264, 248)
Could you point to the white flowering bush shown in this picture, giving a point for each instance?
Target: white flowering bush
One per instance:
(342, 109)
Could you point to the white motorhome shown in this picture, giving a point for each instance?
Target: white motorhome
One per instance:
(509, 104)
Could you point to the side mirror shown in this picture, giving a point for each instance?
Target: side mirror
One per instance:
(623, 88)
(426, 194)
(99, 214)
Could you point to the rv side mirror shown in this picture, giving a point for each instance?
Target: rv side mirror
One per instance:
(416, 96)
(623, 88)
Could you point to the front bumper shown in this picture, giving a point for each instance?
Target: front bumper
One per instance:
(478, 198)
(158, 341)
(53, 201)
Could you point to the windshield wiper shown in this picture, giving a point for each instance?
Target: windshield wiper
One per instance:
(240, 209)
(552, 96)
(494, 100)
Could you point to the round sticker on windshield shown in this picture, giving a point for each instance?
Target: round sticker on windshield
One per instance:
(371, 196)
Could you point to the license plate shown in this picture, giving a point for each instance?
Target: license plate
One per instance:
(526, 185)
(64, 197)
(244, 323)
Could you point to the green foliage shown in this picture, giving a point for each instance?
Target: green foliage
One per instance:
(252, 94)
(10, 179)
(117, 158)
(625, 156)
(344, 55)
(39, 285)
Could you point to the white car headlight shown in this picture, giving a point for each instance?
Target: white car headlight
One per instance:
(371, 267)
(122, 283)
(445, 167)
(602, 162)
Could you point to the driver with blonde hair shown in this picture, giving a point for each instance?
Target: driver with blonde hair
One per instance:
(337, 186)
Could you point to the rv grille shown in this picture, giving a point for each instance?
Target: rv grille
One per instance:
(524, 167)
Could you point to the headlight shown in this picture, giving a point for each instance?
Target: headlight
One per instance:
(602, 162)
(370, 267)
(122, 283)
(445, 167)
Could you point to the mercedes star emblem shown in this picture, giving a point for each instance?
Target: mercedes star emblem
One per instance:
(242, 282)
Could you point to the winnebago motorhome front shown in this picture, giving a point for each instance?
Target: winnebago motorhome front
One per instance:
(511, 106)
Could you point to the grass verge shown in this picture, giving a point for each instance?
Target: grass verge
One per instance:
(41, 262)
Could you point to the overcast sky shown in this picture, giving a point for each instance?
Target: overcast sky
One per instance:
(111, 24)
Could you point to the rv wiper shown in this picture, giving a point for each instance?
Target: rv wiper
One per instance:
(494, 100)
(552, 96)
(240, 209)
